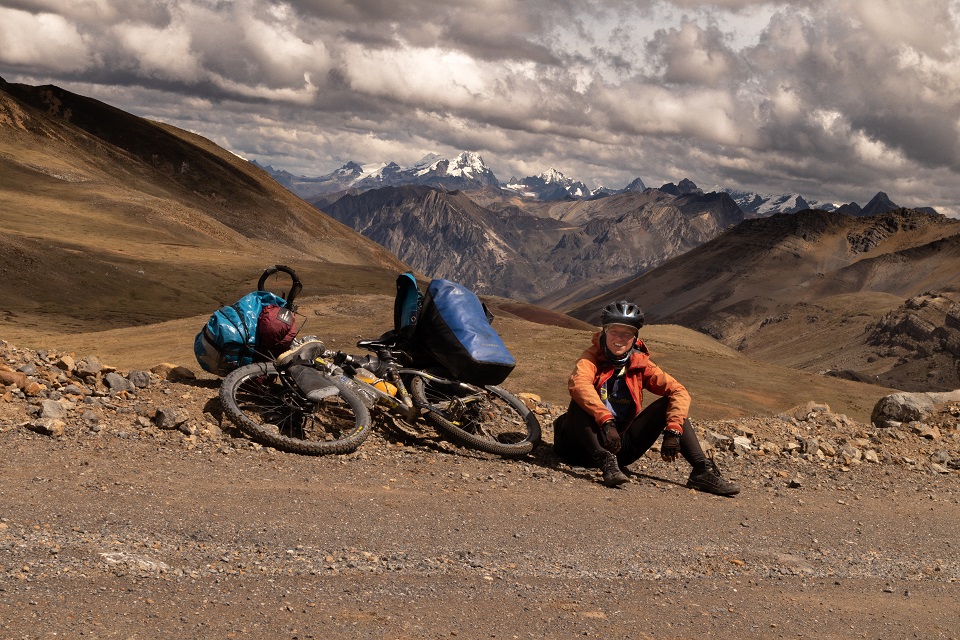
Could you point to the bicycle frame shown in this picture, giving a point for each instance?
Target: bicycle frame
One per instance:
(403, 405)
(402, 402)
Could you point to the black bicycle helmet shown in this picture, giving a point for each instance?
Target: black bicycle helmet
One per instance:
(622, 312)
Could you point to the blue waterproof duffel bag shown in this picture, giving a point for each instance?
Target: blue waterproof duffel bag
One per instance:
(255, 328)
(454, 326)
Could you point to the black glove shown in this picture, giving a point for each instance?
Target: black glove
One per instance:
(670, 447)
(609, 438)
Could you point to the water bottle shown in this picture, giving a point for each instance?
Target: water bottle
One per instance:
(367, 376)
(366, 396)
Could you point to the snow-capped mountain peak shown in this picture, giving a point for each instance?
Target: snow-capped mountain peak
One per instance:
(426, 164)
(759, 205)
(552, 176)
(468, 164)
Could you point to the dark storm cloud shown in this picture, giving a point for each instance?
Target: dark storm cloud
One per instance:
(836, 100)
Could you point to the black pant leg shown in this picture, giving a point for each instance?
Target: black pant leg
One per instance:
(647, 427)
(574, 438)
(690, 447)
(643, 432)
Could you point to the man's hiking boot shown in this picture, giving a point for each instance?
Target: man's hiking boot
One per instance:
(710, 481)
(612, 475)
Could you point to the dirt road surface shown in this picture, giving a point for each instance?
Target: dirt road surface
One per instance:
(120, 528)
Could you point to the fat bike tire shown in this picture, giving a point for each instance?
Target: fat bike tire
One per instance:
(489, 419)
(271, 410)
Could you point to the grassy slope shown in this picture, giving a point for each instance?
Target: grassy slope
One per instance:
(94, 236)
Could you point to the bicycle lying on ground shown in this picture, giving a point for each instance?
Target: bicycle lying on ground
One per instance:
(315, 401)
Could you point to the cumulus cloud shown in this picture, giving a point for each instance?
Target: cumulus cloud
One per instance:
(833, 100)
(46, 43)
(691, 54)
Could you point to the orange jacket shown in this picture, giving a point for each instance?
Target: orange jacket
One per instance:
(593, 370)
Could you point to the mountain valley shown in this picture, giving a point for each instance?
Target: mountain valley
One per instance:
(572, 246)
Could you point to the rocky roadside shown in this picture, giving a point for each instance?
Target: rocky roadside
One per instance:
(60, 396)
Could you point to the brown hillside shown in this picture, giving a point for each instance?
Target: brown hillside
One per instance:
(108, 220)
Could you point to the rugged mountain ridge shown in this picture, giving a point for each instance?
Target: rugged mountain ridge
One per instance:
(567, 247)
(813, 290)
(445, 234)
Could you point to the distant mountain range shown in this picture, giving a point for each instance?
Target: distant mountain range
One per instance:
(465, 172)
(468, 172)
(543, 239)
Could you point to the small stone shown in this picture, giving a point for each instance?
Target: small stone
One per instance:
(532, 400)
(140, 379)
(930, 432)
(718, 440)
(73, 390)
(742, 442)
(170, 417)
(188, 428)
(88, 367)
(13, 378)
(850, 453)
(172, 372)
(33, 388)
(48, 427)
(28, 369)
(116, 382)
(810, 446)
(771, 448)
(53, 409)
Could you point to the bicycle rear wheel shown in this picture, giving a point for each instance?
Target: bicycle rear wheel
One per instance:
(488, 418)
(269, 408)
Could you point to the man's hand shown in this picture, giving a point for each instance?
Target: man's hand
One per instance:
(670, 448)
(609, 437)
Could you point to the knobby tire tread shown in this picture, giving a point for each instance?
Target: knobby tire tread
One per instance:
(243, 406)
(518, 413)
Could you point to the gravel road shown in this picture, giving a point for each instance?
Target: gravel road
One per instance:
(118, 521)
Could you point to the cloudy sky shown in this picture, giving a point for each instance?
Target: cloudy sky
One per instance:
(835, 100)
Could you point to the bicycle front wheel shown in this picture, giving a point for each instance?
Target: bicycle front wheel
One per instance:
(269, 408)
(488, 418)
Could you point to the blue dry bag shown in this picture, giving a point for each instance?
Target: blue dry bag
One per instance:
(454, 326)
